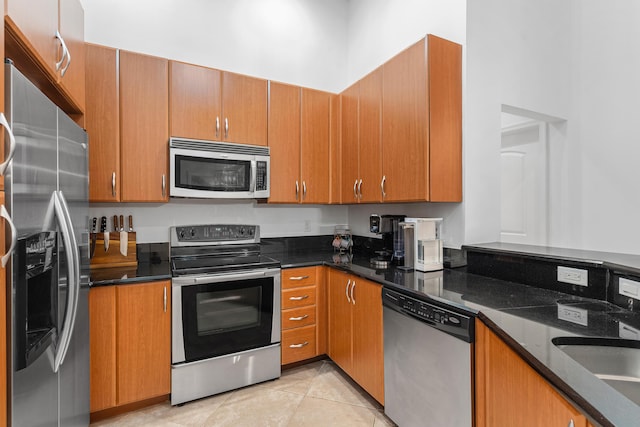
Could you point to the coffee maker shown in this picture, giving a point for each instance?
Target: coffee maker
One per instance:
(388, 226)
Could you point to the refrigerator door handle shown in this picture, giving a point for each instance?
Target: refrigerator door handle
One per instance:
(14, 235)
(12, 144)
(73, 275)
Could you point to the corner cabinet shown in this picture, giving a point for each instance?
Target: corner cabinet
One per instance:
(355, 330)
(216, 105)
(422, 123)
(510, 393)
(300, 132)
(130, 343)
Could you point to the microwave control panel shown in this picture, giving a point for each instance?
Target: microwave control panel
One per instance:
(261, 176)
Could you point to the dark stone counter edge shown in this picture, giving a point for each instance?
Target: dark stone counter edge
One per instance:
(130, 280)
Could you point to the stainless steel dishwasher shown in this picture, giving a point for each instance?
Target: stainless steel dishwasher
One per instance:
(428, 362)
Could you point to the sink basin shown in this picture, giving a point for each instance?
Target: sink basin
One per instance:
(615, 361)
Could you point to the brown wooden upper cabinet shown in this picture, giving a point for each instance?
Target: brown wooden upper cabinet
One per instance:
(144, 128)
(102, 124)
(216, 105)
(361, 140)
(51, 32)
(299, 141)
(422, 123)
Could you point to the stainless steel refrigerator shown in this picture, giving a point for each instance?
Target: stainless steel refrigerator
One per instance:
(46, 186)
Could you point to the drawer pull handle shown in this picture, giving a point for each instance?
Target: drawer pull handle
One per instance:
(298, 298)
(299, 318)
(299, 345)
(298, 277)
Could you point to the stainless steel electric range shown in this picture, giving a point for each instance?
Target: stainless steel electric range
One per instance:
(226, 302)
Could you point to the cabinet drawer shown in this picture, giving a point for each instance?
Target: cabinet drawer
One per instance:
(298, 297)
(298, 344)
(296, 317)
(298, 277)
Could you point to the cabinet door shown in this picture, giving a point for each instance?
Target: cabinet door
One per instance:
(37, 22)
(71, 24)
(510, 393)
(244, 108)
(369, 119)
(404, 124)
(335, 166)
(284, 142)
(314, 146)
(102, 338)
(102, 124)
(350, 144)
(339, 320)
(368, 358)
(195, 102)
(445, 124)
(143, 341)
(144, 127)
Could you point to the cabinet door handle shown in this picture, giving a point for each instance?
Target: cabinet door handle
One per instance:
(66, 67)
(298, 277)
(384, 179)
(226, 128)
(297, 190)
(14, 235)
(346, 290)
(217, 126)
(297, 319)
(355, 189)
(113, 184)
(571, 423)
(353, 298)
(165, 299)
(65, 51)
(12, 144)
(304, 190)
(299, 345)
(360, 189)
(298, 298)
(164, 185)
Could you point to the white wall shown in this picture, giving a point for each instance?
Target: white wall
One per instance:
(295, 41)
(518, 54)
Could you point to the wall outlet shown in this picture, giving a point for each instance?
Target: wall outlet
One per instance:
(574, 276)
(572, 314)
(629, 288)
(307, 225)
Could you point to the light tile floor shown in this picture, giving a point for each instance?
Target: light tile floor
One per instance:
(316, 394)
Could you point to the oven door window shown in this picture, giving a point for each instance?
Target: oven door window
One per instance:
(199, 173)
(224, 318)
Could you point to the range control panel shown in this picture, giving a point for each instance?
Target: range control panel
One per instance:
(216, 233)
(446, 320)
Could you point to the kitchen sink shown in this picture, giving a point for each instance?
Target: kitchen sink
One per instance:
(615, 361)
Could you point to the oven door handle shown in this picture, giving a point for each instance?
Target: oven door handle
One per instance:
(217, 278)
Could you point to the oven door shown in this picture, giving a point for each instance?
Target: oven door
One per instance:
(221, 314)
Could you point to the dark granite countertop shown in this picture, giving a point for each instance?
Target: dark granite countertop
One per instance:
(526, 317)
(153, 264)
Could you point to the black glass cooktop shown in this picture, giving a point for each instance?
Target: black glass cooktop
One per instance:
(219, 264)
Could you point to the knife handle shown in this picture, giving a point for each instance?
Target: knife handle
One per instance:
(130, 223)
(94, 224)
(121, 222)
(115, 223)
(103, 224)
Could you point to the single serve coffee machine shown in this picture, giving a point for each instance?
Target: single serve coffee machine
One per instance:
(388, 226)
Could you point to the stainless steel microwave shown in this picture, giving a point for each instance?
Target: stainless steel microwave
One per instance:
(210, 170)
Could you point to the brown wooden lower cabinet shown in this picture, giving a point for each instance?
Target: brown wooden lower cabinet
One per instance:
(130, 332)
(355, 330)
(510, 393)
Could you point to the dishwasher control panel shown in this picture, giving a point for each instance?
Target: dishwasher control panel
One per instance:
(432, 313)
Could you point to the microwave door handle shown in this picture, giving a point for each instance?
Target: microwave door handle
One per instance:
(61, 212)
(254, 171)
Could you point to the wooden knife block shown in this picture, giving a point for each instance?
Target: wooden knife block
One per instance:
(112, 257)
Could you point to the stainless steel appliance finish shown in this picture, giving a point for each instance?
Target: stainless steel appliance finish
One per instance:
(428, 361)
(225, 311)
(207, 169)
(47, 197)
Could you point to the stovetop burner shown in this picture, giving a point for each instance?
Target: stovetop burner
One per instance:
(215, 248)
